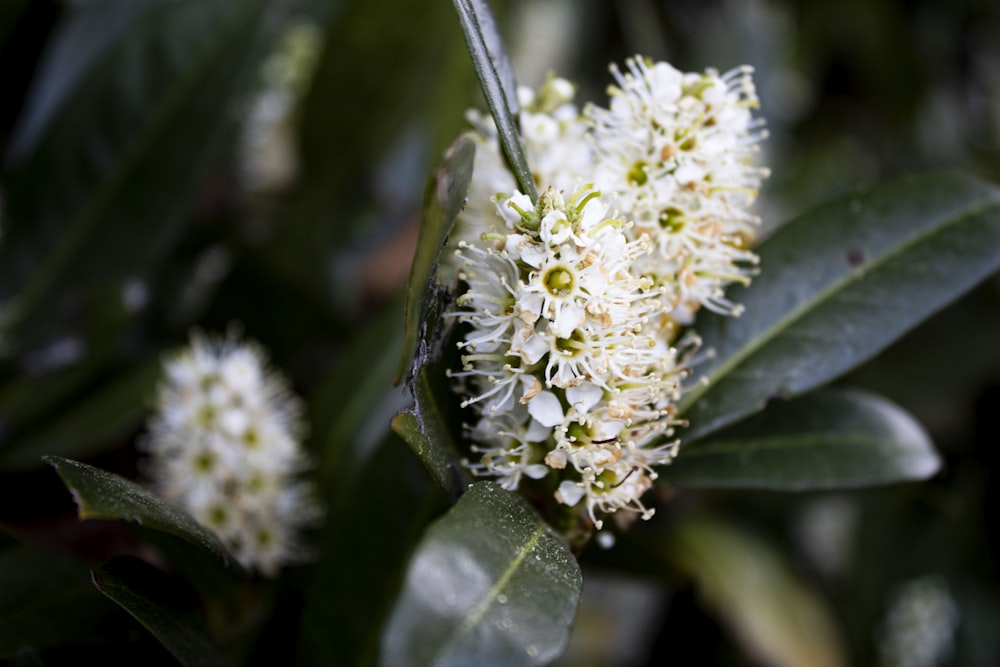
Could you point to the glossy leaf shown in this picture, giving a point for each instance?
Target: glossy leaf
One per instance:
(750, 587)
(496, 75)
(123, 155)
(832, 439)
(424, 427)
(155, 600)
(840, 284)
(103, 495)
(443, 201)
(372, 523)
(490, 584)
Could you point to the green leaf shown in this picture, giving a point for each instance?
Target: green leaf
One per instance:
(832, 439)
(91, 424)
(490, 584)
(499, 87)
(840, 284)
(47, 602)
(776, 617)
(103, 495)
(443, 201)
(424, 427)
(155, 600)
(374, 519)
(107, 189)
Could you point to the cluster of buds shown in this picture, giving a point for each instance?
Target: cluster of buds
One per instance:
(572, 304)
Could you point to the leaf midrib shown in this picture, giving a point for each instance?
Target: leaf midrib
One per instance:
(780, 326)
(479, 611)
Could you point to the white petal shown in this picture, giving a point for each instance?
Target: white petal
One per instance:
(508, 212)
(525, 96)
(689, 173)
(514, 243)
(530, 305)
(593, 213)
(666, 82)
(584, 397)
(234, 421)
(546, 409)
(570, 317)
(607, 429)
(533, 254)
(532, 349)
(536, 471)
(555, 228)
(537, 432)
(593, 279)
(569, 493)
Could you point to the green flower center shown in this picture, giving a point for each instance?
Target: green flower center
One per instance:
(558, 281)
(572, 345)
(672, 219)
(637, 174)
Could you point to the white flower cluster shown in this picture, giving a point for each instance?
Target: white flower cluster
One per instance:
(224, 446)
(562, 358)
(572, 303)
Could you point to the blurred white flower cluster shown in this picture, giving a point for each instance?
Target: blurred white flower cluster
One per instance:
(573, 304)
(224, 446)
(919, 629)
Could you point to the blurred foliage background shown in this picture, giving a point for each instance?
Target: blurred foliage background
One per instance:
(171, 164)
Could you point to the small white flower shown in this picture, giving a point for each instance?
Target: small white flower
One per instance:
(224, 446)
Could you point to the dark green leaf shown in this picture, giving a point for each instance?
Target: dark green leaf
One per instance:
(102, 495)
(424, 427)
(435, 457)
(155, 600)
(490, 584)
(443, 201)
(46, 602)
(840, 284)
(92, 423)
(776, 617)
(834, 438)
(374, 519)
(107, 189)
(499, 88)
